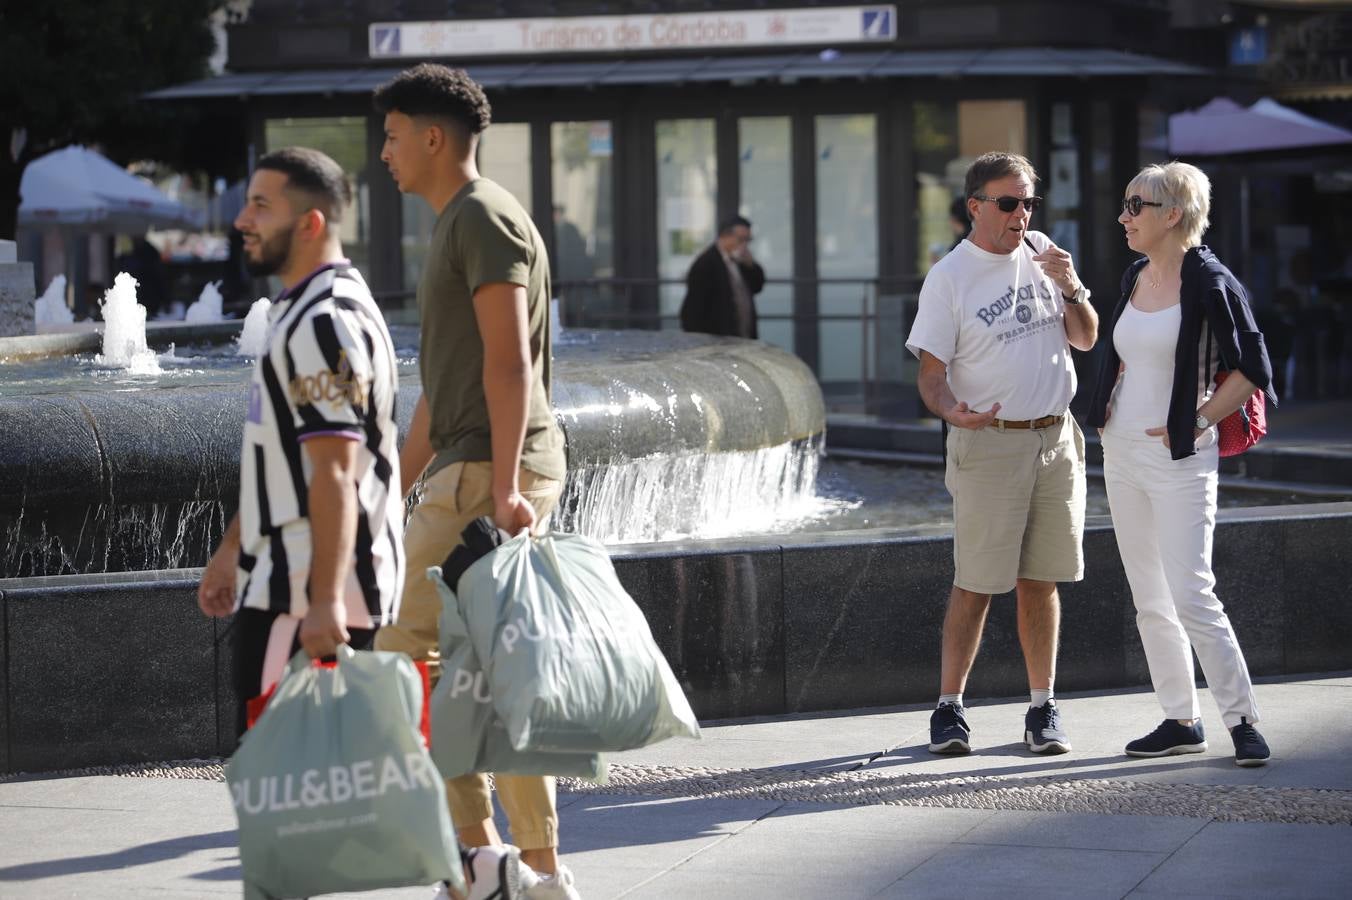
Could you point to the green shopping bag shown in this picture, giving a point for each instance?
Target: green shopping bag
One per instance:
(333, 788)
(569, 658)
(467, 735)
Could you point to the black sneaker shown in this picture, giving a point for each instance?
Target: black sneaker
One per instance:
(949, 732)
(1169, 739)
(1250, 748)
(1042, 730)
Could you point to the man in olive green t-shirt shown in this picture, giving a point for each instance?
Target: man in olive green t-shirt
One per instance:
(483, 435)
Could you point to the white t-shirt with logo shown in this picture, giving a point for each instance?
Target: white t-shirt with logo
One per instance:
(997, 322)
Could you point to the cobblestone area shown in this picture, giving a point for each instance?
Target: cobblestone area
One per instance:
(864, 786)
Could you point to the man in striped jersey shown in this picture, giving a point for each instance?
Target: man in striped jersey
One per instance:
(315, 556)
(483, 434)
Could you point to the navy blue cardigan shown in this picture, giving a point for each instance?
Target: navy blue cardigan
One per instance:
(1211, 295)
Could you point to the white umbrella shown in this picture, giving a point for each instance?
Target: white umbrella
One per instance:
(77, 188)
(1224, 128)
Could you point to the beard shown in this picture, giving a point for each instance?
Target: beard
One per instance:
(272, 255)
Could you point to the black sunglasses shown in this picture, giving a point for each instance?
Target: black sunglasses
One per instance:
(1133, 205)
(1009, 204)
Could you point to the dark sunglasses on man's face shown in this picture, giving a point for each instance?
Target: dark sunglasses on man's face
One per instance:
(1133, 205)
(1009, 204)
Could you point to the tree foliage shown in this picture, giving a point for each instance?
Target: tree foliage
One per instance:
(73, 71)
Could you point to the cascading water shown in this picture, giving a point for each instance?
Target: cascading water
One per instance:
(697, 495)
(255, 330)
(124, 330)
(207, 306)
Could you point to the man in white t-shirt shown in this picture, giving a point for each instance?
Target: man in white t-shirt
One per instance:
(997, 319)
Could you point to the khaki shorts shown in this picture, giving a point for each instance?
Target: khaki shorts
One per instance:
(1018, 506)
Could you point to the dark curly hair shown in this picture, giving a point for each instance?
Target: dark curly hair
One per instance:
(430, 89)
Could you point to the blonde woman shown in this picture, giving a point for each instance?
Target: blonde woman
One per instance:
(1182, 317)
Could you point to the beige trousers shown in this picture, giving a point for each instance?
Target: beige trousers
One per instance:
(452, 498)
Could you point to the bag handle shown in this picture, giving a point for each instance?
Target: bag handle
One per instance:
(451, 622)
(301, 661)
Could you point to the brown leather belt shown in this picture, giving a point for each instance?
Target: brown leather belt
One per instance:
(1028, 424)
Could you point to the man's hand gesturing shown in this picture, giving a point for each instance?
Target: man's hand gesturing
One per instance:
(961, 416)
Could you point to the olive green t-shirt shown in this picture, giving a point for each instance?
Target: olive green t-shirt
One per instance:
(483, 236)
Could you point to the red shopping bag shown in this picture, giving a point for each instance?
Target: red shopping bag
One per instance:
(256, 705)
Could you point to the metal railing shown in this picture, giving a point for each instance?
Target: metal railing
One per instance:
(856, 375)
(877, 362)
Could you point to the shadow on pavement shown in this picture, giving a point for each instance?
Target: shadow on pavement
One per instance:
(145, 854)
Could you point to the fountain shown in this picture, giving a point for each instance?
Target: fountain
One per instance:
(255, 330)
(124, 330)
(51, 309)
(207, 306)
(669, 436)
(146, 479)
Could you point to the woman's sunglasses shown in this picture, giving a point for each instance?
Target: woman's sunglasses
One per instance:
(1009, 204)
(1133, 205)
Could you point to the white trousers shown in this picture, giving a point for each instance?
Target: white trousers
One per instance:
(1164, 514)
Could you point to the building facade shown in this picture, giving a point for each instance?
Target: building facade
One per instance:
(842, 131)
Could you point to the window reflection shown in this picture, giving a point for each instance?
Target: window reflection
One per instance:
(765, 173)
(504, 157)
(583, 209)
(847, 237)
(687, 192)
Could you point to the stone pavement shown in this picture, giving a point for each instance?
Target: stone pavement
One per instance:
(839, 805)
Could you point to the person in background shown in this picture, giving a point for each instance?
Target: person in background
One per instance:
(1182, 312)
(722, 283)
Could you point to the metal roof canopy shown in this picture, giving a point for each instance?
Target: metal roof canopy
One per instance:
(787, 68)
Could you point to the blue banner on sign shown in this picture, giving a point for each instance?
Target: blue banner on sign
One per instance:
(878, 24)
(1248, 47)
(385, 41)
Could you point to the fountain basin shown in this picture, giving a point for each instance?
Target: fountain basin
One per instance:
(144, 474)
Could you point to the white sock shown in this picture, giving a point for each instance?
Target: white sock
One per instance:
(1040, 698)
(955, 699)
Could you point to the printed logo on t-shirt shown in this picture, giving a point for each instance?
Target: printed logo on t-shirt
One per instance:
(335, 388)
(989, 314)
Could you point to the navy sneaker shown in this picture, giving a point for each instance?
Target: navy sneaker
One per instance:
(949, 732)
(1169, 739)
(1042, 730)
(1250, 748)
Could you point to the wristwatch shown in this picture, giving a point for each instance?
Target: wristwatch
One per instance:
(1202, 422)
(1081, 294)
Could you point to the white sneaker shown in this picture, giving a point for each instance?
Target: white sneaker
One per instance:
(495, 873)
(558, 886)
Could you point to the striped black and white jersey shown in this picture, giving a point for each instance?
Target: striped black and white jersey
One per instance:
(329, 369)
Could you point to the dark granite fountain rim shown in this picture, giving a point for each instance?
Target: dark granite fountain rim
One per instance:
(67, 343)
(722, 546)
(922, 533)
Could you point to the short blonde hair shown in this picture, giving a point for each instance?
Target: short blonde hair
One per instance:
(1182, 186)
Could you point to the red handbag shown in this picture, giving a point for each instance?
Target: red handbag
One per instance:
(1245, 426)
